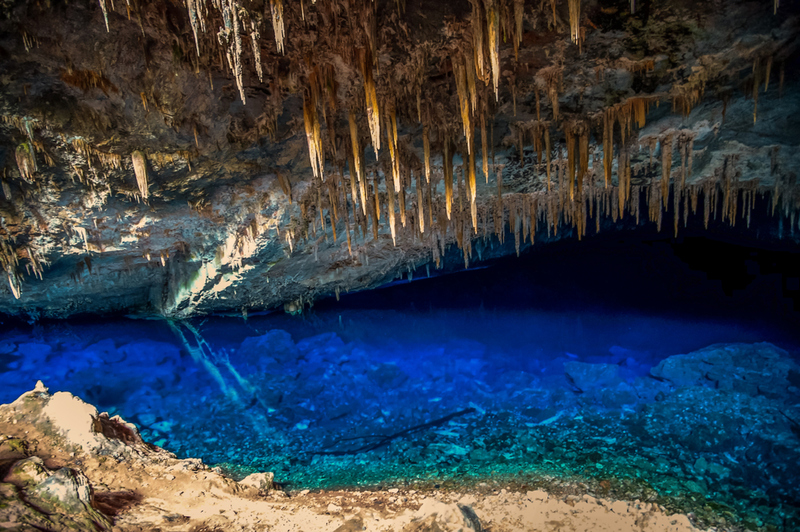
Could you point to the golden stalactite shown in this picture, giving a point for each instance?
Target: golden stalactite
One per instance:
(471, 189)
(391, 137)
(313, 135)
(666, 166)
(519, 7)
(447, 162)
(472, 82)
(401, 203)
(420, 204)
(493, 30)
(459, 71)
(575, 21)
(356, 171)
(371, 95)
(276, 7)
(484, 147)
(390, 207)
(139, 162)
(478, 40)
(426, 151)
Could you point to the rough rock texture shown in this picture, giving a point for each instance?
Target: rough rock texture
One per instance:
(759, 369)
(102, 483)
(242, 155)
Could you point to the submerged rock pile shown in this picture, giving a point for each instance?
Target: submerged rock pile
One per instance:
(63, 467)
(713, 432)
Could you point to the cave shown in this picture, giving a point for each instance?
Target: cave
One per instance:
(339, 265)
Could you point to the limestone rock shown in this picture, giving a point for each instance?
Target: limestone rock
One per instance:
(260, 481)
(437, 516)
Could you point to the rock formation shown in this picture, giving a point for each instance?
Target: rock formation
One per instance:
(177, 158)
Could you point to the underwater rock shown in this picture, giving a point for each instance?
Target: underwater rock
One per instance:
(275, 344)
(587, 376)
(754, 369)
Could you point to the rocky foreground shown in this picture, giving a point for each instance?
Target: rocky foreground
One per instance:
(66, 467)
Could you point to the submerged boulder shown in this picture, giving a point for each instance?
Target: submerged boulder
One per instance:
(753, 369)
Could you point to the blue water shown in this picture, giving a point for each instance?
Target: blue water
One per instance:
(457, 380)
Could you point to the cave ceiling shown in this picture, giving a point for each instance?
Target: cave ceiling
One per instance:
(180, 158)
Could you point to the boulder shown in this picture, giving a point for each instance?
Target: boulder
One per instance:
(259, 481)
(754, 369)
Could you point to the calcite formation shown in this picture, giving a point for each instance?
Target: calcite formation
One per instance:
(237, 155)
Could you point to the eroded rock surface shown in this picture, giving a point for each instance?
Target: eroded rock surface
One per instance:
(171, 159)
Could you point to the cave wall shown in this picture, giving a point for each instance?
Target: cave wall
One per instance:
(177, 158)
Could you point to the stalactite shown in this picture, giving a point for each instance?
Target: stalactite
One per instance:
(429, 201)
(373, 112)
(140, 170)
(420, 204)
(472, 84)
(391, 137)
(255, 37)
(472, 191)
(448, 176)
(356, 170)
(570, 137)
(392, 226)
(313, 135)
(499, 222)
(519, 7)
(608, 146)
(426, 150)
(493, 28)
(666, 167)
(575, 20)
(276, 6)
(484, 148)
(477, 39)
(401, 202)
(375, 209)
(463, 97)
(105, 17)
(547, 155)
(583, 151)
(26, 161)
